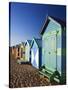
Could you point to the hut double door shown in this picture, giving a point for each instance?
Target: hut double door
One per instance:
(50, 52)
(35, 56)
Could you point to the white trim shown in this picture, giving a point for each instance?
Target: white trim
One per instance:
(54, 21)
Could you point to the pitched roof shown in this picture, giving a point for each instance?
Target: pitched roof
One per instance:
(23, 43)
(18, 45)
(29, 41)
(38, 42)
(48, 18)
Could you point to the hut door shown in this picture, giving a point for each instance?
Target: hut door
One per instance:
(51, 52)
(34, 56)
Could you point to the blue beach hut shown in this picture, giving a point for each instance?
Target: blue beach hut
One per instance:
(54, 49)
(36, 54)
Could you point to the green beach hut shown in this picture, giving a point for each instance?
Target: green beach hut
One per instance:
(54, 50)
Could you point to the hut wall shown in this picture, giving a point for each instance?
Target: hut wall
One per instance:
(27, 52)
(18, 52)
(23, 52)
(35, 55)
(51, 47)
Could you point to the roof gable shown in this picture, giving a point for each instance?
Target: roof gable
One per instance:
(29, 42)
(56, 20)
(37, 41)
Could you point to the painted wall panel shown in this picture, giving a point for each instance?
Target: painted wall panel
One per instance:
(32, 56)
(27, 52)
(50, 43)
(59, 63)
(35, 55)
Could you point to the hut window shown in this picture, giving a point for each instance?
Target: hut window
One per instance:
(18, 53)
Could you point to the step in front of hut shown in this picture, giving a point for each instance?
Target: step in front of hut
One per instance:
(45, 73)
(48, 74)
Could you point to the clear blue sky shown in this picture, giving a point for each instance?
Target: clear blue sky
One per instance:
(26, 20)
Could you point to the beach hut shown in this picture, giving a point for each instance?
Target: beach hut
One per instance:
(27, 50)
(36, 53)
(18, 52)
(22, 46)
(13, 52)
(54, 49)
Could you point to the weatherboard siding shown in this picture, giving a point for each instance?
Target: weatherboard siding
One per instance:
(51, 46)
(27, 52)
(35, 55)
(22, 52)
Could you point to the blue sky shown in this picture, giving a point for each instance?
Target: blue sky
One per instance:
(26, 19)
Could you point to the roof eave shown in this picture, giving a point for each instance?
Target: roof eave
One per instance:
(44, 26)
